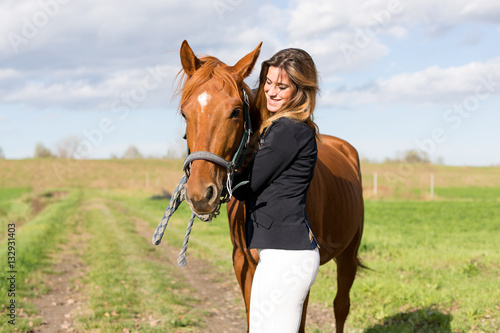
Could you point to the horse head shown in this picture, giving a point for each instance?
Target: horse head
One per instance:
(213, 104)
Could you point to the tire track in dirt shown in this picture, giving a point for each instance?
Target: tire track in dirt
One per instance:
(65, 301)
(217, 292)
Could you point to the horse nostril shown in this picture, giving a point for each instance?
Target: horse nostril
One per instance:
(210, 192)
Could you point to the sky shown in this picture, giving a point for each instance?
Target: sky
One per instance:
(394, 75)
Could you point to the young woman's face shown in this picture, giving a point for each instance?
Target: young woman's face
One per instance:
(278, 88)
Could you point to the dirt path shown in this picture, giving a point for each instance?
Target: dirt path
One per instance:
(63, 304)
(218, 293)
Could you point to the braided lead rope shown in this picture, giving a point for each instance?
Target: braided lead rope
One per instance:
(229, 181)
(175, 201)
(181, 261)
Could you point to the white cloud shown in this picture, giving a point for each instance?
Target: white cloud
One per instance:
(8, 73)
(75, 89)
(330, 28)
(88, 53)
(434, 85)
(343, 36)
(480, 11)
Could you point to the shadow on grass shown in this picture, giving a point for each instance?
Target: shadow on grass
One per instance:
(425, 320)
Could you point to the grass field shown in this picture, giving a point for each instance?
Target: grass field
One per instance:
(434, 265)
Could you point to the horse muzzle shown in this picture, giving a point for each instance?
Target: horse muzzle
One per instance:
(202, 198)
(205, 197)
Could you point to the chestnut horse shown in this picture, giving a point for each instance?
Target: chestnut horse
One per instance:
(213, 105)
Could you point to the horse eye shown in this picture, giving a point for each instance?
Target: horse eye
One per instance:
(235, 113)
(183, 114)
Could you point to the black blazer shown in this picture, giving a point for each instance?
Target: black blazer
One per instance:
(278, 182)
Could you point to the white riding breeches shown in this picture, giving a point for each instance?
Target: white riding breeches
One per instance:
(280, 285)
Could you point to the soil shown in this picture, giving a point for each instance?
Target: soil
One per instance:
(218, 293)
(63, 304)
(39, 202)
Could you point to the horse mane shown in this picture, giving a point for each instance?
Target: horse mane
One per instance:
(211, 68)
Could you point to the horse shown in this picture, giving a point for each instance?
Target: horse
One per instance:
(214, 103)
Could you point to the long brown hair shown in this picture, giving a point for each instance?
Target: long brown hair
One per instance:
(301, 70)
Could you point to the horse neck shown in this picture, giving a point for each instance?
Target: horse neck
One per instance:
(256, 117)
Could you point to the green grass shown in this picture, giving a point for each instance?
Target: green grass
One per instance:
(469, 193)
(127, 284)
(35, 240)
(12, 209)
(435, 265)
(435, 268)
(208, 241)
(7, 195)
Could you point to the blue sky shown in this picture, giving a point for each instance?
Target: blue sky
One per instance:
(395, 75)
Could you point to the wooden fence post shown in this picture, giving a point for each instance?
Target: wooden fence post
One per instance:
(432, 186)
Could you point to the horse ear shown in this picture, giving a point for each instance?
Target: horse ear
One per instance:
(189, 61)
(244, 67)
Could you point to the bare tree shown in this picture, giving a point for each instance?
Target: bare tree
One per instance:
(132, 153)
(67, 146)
(416, 156)
(411, 156)
(42, 152)
(1, 153)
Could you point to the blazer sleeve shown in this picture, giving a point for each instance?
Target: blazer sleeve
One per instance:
(274, 156)
(241, 185)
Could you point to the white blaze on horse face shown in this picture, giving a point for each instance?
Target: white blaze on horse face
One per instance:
(203, 100)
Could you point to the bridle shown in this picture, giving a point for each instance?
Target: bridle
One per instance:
(180, 193)
(237, 159)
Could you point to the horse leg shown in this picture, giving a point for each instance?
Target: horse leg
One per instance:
(302, 327)
(244, 270)
(347, 265)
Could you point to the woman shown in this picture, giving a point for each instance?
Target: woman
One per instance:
(275, 191)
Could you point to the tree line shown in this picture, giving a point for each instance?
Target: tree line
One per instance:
(41, 151)
(67, 147)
